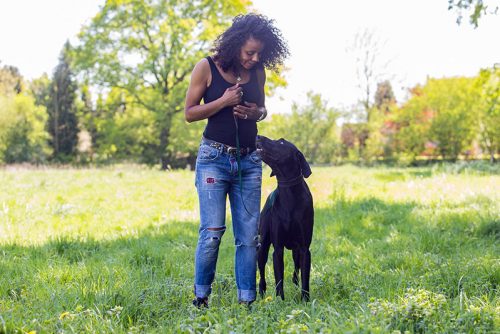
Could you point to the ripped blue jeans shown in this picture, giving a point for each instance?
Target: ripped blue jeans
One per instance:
(216, 179)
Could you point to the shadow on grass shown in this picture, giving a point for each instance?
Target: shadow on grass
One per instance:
(362, 249)
(126, 281)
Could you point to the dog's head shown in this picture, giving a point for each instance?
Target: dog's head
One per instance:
(283, 157)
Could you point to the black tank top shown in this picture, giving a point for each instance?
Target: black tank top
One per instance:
(221, 126)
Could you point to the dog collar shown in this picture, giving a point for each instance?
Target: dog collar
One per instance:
(291, 182)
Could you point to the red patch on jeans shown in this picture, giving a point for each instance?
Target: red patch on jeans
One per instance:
(210, 180)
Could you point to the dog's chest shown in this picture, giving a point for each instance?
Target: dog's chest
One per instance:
(287, 218)
(292, 226)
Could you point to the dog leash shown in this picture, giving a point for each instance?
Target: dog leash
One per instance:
(238, 160)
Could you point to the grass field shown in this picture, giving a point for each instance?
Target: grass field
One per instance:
(112, 250)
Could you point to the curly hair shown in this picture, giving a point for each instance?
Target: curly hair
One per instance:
(227, 46)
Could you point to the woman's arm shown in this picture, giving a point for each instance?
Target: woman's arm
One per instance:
(261, 79)
(200, 77)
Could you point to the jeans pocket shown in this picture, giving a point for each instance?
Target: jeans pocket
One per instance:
(207, 153)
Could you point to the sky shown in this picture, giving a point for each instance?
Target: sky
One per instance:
(420, 39)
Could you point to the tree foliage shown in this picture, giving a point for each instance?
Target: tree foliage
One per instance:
(453, 124)
(22, 122)
(487, 108)
(440, 114)
(11, 81)
(148, 49)
(474, 9)
(125, 130)
(413, 121)
(22, 130)
(61, 108)
(384, 96)
(40, 90)
(312, 128)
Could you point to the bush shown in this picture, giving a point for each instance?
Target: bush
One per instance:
(22, 130)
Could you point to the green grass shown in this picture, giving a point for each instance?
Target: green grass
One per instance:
(112, 250)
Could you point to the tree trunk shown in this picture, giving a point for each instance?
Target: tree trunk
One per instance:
(492, 156)
(162, 149)
(56, 121)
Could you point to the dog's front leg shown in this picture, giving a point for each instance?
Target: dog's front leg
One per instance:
(279, 269)
(305, 269)
(296, 264)
(261, 260)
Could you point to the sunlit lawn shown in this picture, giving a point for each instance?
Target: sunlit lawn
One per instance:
(112, 250)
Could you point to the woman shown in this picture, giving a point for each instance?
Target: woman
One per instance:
(231, 84)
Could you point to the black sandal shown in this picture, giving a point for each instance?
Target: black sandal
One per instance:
(200, 302)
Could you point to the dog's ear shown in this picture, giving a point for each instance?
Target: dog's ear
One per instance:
(306, 169)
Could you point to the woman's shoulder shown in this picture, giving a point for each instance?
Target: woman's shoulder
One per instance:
(202, 66)
(203, 63)
(201, 71)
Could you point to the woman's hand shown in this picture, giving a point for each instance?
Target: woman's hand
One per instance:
(247, 111)
(232, 96)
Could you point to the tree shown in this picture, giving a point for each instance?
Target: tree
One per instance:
(440, 112)
(384, 96)
(370, 70)
(374, 147)
(370, 67)
(453, 125)
(381, 128)
(40, 89)
(87, 121)
(353, 137)
(63, 123)
(487, 107)
(412, 123)
(22, 130)
(148, 49)
(11, 80)
(22, 134)
(474, 9)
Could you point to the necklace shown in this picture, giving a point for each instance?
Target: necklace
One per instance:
(237, 74)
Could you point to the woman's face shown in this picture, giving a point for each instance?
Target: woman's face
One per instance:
(250, 53)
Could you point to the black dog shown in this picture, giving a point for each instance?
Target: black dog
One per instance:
(287, 218)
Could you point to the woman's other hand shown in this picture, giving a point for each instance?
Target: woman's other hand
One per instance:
(247, 111)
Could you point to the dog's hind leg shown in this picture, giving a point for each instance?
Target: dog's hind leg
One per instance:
(279, 269)
(305, 269)
(296, 263)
